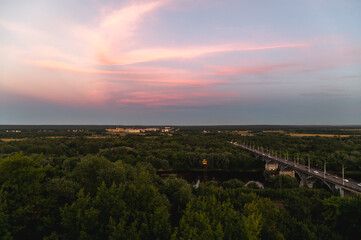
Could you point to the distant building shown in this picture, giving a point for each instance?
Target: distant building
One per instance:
(136, 130)
(13, 130)
(150, 129)
(116, 130)
(132, 130)
(271, 166)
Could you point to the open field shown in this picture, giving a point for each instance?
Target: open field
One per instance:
(312, 134)
(90, 137)
(355, 129)
(316, 134)
(245, 133)
(12, 139)
(55, 137)
(274, 131)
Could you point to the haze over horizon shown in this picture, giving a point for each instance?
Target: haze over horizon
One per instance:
(162, 62)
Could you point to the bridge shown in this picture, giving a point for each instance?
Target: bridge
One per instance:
(306, 173)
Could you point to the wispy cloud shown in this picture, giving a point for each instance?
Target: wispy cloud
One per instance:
(156, 54)
(106, 61)
(223, 71)
(175, 98)
(117, 30)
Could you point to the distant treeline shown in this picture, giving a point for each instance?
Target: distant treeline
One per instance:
(185, 149)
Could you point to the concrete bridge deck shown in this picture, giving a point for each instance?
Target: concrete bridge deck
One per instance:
(329, 178)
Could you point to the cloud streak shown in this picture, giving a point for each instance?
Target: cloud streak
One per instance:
(157, 54)
(175, 98)
(117, 29)
(225, 71)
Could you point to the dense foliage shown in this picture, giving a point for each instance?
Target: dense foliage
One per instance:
(180, 151)
(107, 188)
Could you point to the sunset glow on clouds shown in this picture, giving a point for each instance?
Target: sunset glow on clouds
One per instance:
(175, 56)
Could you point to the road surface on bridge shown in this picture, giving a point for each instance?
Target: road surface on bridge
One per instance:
(331, 178)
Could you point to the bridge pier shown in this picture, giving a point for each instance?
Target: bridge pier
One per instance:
(307, 183)
(340, 190)
(305, 180)
(285, 170)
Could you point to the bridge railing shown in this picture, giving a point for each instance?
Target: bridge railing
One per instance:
(331, 178)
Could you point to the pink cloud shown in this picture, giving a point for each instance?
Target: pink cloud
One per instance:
(115, 39)
(169, 82)
(175, 98)
(55, 65)
(222, 71)
(156, 54)
(153, 92)
(126, 16)
(141, 71)
(70, 71)
(116, 30)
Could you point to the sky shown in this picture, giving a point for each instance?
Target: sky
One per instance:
(180, 62)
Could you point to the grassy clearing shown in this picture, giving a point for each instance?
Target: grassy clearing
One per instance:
(98, 137)
(356, 129)
(12, 139)
(245, 133)
(274, 131)
(316, 134)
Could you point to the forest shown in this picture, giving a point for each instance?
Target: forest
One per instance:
(58, 183)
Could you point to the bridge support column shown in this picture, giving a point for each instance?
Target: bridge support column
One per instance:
(305, 180)
(307, 183)
(340, 190)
